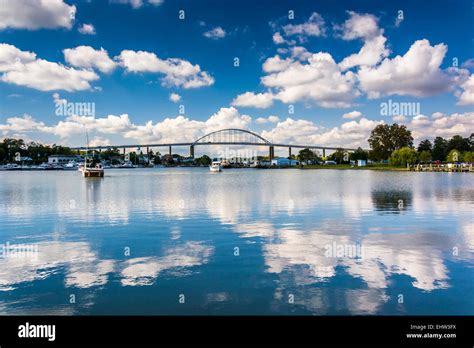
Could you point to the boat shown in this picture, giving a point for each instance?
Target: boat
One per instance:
(71, 165)
(215, 166)
(92, 168)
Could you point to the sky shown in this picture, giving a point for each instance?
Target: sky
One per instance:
(299, 72)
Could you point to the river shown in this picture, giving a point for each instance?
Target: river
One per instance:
(244, 241)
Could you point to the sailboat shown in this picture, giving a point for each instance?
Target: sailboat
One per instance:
(91, 168)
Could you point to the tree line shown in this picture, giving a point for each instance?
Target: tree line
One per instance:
(394, 144)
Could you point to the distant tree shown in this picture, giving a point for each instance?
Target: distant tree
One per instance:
(340, 156)
(204, 160)
(359, 154)
(468, 156)
(425, 156)
(440, 149)
(454, 156)
(425, 145)
(401, 157)
(308, 155)
(384, 139)
(459, 143)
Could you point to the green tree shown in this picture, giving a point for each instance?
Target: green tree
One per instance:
(401, 157)
(203, 160)
(459, 143)
(468, 156)
(440, 149)
(425, 156)
(339, 156)
(359, 154)
(384, 139)
(454, 156)
(425, 145)
(308, 155)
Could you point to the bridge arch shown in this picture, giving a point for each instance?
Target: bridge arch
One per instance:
(229, 135)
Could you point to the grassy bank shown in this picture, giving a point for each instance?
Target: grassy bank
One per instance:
(378, 166)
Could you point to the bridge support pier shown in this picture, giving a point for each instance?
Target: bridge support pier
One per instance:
(324, 153)
(191, 151)
(271, 152)
(148, 155)
(170, 151)
(289, 152)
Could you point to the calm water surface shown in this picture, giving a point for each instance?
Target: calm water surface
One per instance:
(238, 242)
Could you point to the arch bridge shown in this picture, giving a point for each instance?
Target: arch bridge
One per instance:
(227, 136)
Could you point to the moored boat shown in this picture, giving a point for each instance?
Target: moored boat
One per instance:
(215, 166)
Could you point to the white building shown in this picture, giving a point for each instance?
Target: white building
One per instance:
(63, 159)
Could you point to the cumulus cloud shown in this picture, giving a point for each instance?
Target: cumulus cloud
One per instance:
(275, 64)
(352, 114)
(178, 72)
(353, 133)
(365, 27)
(314, 26)
(416, 73)
(174, 97)
(215, 33)
(467, 95)
(440, 124)
(86, 29)
(179, 129)
(319, 79)
(25, 69)
(250, 99)
(90, 58)
(269, 119)
(36, 14)
(304, 132)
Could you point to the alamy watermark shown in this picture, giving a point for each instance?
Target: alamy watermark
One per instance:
(392, 108)
(238, 156)
(27, 251)
(336, 250)
(65, 108)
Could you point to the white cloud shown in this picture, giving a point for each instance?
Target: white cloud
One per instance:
(271, 119)
(36, 14)
(250, 99)
(319, 79)
(442, 125)
(274, 64)
(139, 3)
(467, 95)
(399, 119)
(174, 97)
(353, 133)
(178, 72)
(303, 132)
(215, 33)
(365, 27)
(86, 29)
(314, 26)
(352, 114)
(88, 57)
(359, 26)
(24, 69)
(278, 39)
(417, 73)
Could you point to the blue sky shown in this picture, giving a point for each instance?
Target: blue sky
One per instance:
(244, 30)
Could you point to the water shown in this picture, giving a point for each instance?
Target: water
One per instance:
(187, 241)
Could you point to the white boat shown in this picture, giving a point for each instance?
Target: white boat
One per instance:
(215, 166)
(92, 170)
(71, 165)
